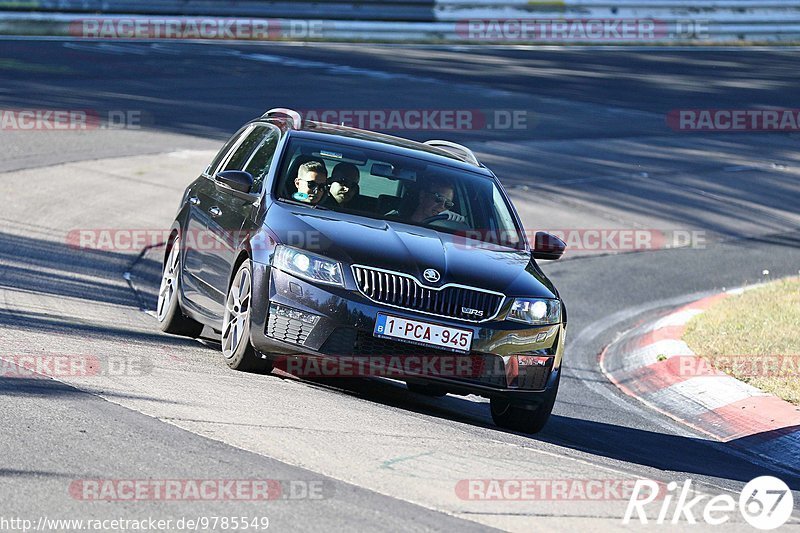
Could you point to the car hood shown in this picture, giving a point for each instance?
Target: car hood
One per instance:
(409, 249)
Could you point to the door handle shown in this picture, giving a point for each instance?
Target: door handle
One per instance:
(194, 200)
(215, 211)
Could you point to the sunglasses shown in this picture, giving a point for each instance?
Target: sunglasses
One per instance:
(314, 186)
(442, 200)
(347, 183)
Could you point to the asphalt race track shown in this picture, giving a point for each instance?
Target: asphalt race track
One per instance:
(595, 152)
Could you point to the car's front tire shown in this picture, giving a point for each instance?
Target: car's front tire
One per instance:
(236, 347)
(509, 416)
(168, 311)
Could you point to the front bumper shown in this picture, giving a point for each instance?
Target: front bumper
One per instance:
(291, 316)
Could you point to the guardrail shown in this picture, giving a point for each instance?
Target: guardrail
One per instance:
(463, 21)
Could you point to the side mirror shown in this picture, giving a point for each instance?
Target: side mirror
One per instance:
(548, 246)
(238, 180)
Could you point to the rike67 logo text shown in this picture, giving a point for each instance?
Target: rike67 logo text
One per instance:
(765, 503)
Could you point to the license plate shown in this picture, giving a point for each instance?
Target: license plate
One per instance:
(423, 333)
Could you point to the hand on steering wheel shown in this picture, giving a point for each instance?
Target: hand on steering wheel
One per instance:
(446, 215)
(455, 217)
(435, 218)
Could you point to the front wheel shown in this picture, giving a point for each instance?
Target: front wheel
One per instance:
(508, 416)
(168, 312)
(236, 347)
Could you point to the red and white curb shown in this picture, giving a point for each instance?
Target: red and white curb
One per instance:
(654, 365)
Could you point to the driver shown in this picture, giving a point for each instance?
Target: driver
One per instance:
(436, 199)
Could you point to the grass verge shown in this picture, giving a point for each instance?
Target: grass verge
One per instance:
(755, 337)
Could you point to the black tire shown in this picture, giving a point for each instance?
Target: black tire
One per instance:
(427, 390)
(508, 416)
(168, 310)
(239, 354)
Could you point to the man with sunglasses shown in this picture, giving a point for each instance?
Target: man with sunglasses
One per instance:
(342, 186)
(436, 199)
(311, 182)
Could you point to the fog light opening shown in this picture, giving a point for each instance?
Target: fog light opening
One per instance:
(295, 314)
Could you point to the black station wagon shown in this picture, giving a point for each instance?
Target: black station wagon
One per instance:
(305, 241)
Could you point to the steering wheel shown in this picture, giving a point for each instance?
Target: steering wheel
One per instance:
(434, 218)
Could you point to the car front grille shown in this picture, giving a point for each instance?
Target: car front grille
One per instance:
(404, 291)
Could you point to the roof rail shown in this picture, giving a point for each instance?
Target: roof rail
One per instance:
(297, 121)
(456, 149)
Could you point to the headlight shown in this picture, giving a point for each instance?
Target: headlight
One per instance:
(536, 311)
(308, 266)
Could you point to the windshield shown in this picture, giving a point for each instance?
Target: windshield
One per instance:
(388, 186)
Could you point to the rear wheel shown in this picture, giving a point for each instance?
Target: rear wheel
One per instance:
(168, 311)
(236, 347)
(509, 416)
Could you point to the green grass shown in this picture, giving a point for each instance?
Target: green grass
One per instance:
(760, 322)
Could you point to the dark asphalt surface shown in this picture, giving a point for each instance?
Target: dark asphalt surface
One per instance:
(576, 96)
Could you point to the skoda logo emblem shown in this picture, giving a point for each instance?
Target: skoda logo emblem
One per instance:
(431, 275)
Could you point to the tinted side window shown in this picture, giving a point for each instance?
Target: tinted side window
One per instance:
(242, 153)
(261, 160)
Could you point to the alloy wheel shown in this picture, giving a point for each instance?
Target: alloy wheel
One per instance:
(236, 322)
(169, 281)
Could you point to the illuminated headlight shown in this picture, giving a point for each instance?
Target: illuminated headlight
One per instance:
(308, 266)
(536, 311)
